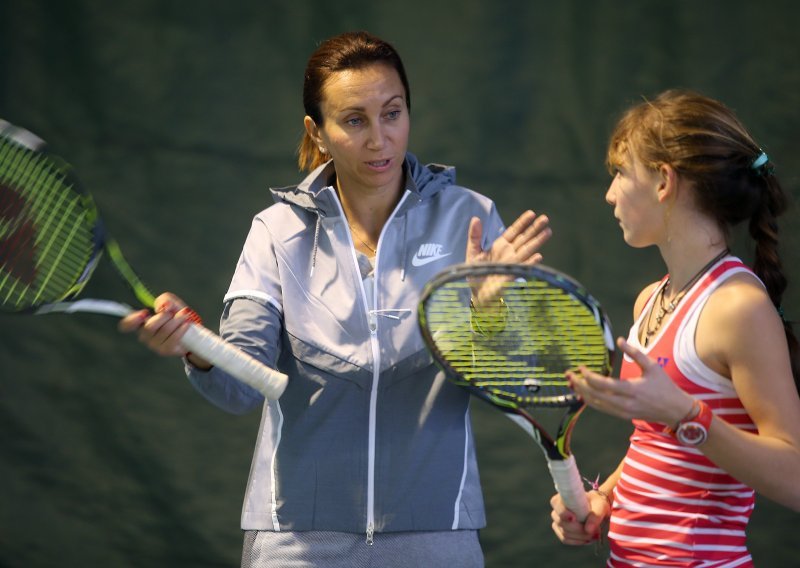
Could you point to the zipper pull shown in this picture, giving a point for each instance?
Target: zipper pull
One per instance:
(370, 534)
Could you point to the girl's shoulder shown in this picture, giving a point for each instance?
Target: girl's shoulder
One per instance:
(641, 301)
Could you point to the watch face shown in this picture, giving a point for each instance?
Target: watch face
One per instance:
(691, 433)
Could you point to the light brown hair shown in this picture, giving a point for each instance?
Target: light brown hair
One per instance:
(705, 142)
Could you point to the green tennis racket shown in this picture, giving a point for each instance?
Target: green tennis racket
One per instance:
(51, 240)
(507, 333)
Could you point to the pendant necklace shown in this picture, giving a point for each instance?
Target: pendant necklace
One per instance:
(665, 310)
(363, 242)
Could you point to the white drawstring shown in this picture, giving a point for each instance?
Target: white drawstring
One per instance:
(386, 313)
(316, 244)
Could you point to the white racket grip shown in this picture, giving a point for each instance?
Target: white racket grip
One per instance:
(568, 483)
(237, 363)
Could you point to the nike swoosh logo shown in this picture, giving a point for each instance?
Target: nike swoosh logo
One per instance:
(417, 261)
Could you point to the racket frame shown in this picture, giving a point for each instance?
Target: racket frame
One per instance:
(198, 339)
(557, 452)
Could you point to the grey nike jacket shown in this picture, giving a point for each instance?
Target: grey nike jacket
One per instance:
(368, 436)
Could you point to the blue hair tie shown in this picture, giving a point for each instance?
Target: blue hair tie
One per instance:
(761, 165)
(760, 160)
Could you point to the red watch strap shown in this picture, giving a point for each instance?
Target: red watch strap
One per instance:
(705, 415)
(700, 412)
(693, 411)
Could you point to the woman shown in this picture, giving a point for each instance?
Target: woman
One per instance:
(367, 458)
(707, 376)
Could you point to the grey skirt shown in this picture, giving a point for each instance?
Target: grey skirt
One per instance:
(424, 549)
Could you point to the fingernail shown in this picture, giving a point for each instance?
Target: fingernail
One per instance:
(191, 315)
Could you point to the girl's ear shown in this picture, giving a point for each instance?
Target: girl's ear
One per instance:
(668, 182)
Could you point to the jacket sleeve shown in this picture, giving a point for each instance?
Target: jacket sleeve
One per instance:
(254, 327)
(251, 320)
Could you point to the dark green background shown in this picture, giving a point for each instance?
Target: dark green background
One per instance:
(178, 115)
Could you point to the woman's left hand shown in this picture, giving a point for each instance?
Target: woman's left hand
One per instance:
(652, 396)
(520, 243)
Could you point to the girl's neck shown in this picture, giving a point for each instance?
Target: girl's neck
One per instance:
(684, 264)
(691, 241)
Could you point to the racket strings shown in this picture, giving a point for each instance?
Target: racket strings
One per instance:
(46, 230)
(519, 354)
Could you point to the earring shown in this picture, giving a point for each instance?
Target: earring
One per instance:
(323, 149)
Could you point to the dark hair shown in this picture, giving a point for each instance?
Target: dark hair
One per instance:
(350, 50)
(705, 142)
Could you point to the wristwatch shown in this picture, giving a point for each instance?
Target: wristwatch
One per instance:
(693, 430)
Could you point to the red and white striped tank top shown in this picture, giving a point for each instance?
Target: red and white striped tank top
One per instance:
(672, 505)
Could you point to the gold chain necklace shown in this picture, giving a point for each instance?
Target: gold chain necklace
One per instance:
(363, 242)
(663, 310)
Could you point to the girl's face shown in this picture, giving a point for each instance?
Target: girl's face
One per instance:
(634, 195)
(365, 127)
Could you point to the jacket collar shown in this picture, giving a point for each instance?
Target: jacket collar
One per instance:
(422, 181)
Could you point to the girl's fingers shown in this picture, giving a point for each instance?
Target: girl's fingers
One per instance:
(640, 358)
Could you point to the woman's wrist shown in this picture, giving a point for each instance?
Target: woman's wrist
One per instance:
(197, 362)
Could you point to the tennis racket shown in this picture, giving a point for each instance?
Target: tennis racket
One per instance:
(51, 240)
(507, 333)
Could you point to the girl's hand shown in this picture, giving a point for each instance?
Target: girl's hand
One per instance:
(653, 396)
(573, 532)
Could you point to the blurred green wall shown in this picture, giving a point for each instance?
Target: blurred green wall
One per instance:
(178, 115)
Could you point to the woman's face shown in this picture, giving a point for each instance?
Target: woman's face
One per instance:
(634, 195)
(365, 126)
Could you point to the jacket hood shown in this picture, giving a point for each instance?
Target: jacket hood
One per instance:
(424, 181)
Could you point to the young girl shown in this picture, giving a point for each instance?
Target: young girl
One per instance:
(710, 364)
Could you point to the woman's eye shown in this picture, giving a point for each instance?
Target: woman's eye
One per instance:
(355, 121)
(393, 114)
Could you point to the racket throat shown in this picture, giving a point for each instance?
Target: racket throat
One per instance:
(544, 441)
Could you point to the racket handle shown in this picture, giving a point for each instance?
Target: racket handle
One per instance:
(234, 361)
(568, 483)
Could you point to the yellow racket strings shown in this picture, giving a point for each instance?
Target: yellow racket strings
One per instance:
(520, 352)
(46, 228)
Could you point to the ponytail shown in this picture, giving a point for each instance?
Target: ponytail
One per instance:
(767, 263)
(309, 156)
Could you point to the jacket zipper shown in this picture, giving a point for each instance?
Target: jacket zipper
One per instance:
(376, 357)
(373, 407)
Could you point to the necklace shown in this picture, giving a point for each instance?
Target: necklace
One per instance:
(363, 242)
(665, 310)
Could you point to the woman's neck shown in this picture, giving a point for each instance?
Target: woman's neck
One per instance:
(368, 210)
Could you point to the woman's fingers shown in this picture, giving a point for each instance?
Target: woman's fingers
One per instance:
(133, 321)
(160, 331)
